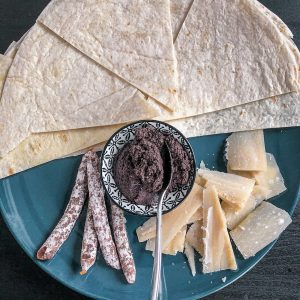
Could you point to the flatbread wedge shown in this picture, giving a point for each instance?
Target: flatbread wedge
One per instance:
(5, 63)
(179, 10)
(131, 38)
(234, 66)
(52, 86)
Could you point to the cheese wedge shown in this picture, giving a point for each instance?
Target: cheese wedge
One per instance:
(197, 216)
(218, 253)
(199, 180)
(175, 246)
(235, 216)
(270, 182)
(247, 174)
(260, 193)
(231, 188)
(189, 252)
(173, 221)
(245, 151)
(271, 178)
(260, 228)
(147, 230)
(194, 236)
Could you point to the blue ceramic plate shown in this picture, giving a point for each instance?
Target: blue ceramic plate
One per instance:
(33, 201)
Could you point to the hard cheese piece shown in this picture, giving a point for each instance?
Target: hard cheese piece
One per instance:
(199, 180)
(260, 193)
(176, 245)
(218, 253)
(235, 216)
(271, 179)
(245, 151)
(189, 252)
(247, 174)
(147, 230)
(270, 182)
(260, 228)
(231, 188)
(194, 236)
(173, 221)
(197, 216)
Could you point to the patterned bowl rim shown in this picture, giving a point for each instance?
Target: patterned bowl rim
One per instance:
(194, 171)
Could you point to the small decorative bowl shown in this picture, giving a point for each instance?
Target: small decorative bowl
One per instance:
(117, 142)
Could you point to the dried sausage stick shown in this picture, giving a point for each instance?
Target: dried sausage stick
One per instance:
(97, 202)
(122, 243)
(64, 227)
(89, 243)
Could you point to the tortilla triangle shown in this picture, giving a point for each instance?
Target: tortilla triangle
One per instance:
(131, 38)
(52, 86)
(230, 53)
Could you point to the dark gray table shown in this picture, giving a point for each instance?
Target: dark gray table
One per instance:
(276, 277)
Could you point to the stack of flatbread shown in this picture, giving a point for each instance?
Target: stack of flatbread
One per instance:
(88, 66)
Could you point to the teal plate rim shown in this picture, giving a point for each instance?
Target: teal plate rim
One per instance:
(208, 292)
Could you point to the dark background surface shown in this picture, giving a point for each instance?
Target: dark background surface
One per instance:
(277, 276)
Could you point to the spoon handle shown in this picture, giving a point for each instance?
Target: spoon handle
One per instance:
(157, 252)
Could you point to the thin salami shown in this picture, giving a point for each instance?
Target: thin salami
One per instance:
(122, 243)
(89, 243)
(64, 227)
(98, 206)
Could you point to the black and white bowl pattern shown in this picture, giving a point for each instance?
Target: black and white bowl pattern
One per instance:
(112, 148)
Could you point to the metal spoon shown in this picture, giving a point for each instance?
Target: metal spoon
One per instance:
(157, 252)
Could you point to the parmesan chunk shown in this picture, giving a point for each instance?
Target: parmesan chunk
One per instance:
(189, 252)
(246, 151)
(199, 180)
(235, 216)
(231, 188)
(194, 236)
(270, 182)
(147, 230)
(197, 216)
(260, 193)
(176, 245)
(271, 178)
(247, 174)
(218, 253)
(260, 228)
(173, 221)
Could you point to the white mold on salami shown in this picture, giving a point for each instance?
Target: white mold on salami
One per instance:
(64, 227)
(99, 211)
(122, 243)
